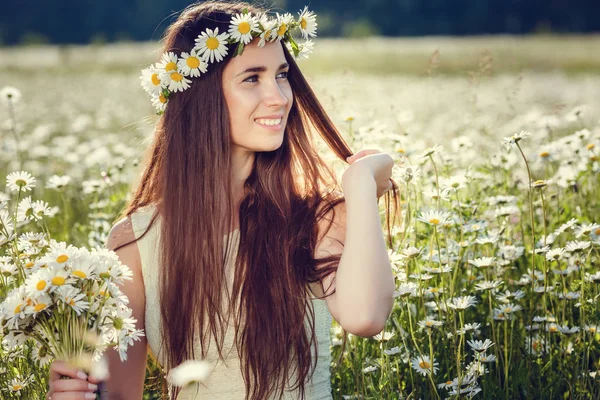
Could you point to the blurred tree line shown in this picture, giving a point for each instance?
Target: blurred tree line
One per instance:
(86, 21)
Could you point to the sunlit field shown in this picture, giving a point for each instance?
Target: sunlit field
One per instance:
(495, 252)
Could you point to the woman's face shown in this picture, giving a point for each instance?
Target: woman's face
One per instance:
(259, 97)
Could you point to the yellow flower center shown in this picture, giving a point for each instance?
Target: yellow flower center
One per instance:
(244, 27)
(448, 382)
(424, 364)
(590, 146)
(544, 154)
(507, 309)
(28, 301)
(535, 345)
(592, 329)
(40, 285)
(18, 309)
(39, 307)
(192, 62)
(597, 231)
(155, 79)
(553, 329)
(475, 227)
(401, 151)
(471, 277)
(20, 182)
(434, 221)
(212, 43)
(177, 77)
(429, 323)
(282, 29)
(62, 258)
(303, 23)
(434, 290)
(80, 274)
(171, 66)
(58, 281)
(29, 265)
(71, 302)
(162, 98)
(17, 387)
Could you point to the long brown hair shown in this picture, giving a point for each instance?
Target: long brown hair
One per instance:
(188, 171)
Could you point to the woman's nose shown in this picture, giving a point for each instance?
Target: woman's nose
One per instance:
(274, 96)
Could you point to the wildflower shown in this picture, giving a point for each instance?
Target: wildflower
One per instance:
(566, 226)
(308, 23)
(9, 95)
(488, 285)
(568, 296)
(411, 252)
(283, 23)
(242, 26)
(483, 262)
(211, 45)
(462, 302)
(434, 217)
(576, 246)
(393, 351)
(430, 151)
(536, 346)
(429, 323)
(509, 308)
(370, 368)
(454, 183)
(423, 365)
(58, 182)
(480, 346)
(151, 81)
(384, 336)
(514, 139)
(20, 180)
(593, 329)
(586, 229)
(485, 358)
(566, 330)
(192, 64)
(188, 372)
(433, 194)
(555, 254)
(406, 289)
(539, 184)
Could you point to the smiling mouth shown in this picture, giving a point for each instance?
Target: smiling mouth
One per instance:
(269, 121)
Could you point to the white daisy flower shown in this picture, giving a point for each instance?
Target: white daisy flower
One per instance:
(175, 81)
(577, 245)
(20, 180)
(25, 210)
(514, 139)
(191, 64)
(462, 302)
(58, 182)
(435, 217)
(74, 298)
(12, 308)
(159, 102)
(431, 151)
(370, 368)
(429, 323)
(10, 94)
(283, 25)
(306, 49)
(39, 304)
(585, 229)
(479, 345)
(384, 336)
(268, 33)
(42, 355)
(423, 365)
(188, 372)
(211, 45)
(167, 63)
(242, 26)
(38, 283)
(151, 81)
(308, 23)
(390, 352)
(483, 262)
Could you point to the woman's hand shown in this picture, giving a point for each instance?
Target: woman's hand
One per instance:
(76, 388)
(371, 163)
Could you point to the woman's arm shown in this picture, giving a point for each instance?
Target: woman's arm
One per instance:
(126, 379)
(364, 282)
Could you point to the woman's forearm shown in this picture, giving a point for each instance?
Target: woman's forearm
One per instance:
(364, 279)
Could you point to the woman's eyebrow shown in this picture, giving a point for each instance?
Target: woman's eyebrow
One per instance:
(262, 69)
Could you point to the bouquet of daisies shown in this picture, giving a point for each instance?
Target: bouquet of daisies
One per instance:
(64, 298)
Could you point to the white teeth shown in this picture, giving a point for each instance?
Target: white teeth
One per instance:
(269, 121)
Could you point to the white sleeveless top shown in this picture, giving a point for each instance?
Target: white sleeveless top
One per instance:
(225, 382)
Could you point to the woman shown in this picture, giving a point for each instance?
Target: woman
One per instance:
(233, 167)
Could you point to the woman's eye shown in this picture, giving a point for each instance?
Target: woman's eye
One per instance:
(252, 78)
(285, 74)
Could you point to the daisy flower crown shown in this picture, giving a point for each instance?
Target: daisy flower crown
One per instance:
(173, 72)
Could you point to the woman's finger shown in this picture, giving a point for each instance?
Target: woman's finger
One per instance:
(61, 368)
(72, 385)
(73, 396)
